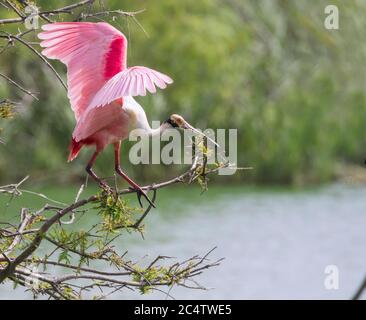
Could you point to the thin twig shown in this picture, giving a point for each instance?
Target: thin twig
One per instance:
(18, 86)
(10, 36)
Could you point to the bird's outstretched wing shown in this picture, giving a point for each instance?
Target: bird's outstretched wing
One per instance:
(92, 52)
(130, 82)
(95, 55)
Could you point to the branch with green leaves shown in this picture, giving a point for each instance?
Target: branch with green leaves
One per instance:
(80, 261)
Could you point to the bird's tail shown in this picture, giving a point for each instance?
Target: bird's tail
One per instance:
(74, 149)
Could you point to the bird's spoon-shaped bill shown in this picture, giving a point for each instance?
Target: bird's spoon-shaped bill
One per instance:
(186, 125)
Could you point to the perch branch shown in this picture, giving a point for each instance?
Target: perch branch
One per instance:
(14, 264)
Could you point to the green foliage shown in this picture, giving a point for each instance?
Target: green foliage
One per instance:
(71, 241)
(19, 4)
(116, 216)
(159, 274)
(115, 212)
(149, 276)
(6, 109)
(89, 255)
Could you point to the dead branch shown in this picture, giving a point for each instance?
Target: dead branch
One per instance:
(360, 290)
(18, 267)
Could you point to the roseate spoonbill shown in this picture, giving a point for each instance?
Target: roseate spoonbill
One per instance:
(101, 89)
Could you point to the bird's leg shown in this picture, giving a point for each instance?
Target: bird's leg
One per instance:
(133, 184)
(90, 171)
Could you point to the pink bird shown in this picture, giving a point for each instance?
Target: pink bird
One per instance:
(101, 89)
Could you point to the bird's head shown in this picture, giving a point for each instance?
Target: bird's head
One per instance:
(178, 122)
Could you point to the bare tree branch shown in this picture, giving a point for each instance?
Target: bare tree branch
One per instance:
(11, 37)
(360, 290)
(18, 86)
(69, 10)
(149, 278)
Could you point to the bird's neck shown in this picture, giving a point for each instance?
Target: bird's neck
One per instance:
(152, 132)
(140, 120)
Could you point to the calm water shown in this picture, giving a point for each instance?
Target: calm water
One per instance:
(276, 244)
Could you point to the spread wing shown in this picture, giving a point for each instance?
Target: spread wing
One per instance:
(130, 82)
(92, 52)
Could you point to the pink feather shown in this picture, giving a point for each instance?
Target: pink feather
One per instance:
(93, 53)
(130, 82)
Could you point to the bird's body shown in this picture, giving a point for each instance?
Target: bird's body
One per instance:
(110, 124)
(101, 87)
(103, 126)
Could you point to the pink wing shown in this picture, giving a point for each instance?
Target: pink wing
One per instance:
(130, 82)
(92, 52)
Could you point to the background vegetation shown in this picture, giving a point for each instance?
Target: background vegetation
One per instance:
(294, 89)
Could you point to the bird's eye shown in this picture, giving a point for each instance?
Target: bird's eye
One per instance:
(172, 122)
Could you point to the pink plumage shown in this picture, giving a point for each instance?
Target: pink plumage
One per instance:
(92, 52)
(130, 82)
(98, 83)
(113, 58)
(96, 58)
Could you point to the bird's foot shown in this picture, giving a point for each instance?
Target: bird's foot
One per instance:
(141, 193)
